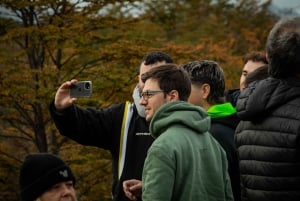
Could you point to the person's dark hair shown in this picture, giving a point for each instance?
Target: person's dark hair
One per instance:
(255, 56)
(208, 72)
(258, 74)
(283, 48)
(170, 77)
(156, 56)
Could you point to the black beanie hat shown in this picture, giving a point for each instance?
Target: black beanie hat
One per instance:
(40, 172)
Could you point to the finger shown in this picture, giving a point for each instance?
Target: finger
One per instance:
(129, 195)
(72, 100)
(73, 81)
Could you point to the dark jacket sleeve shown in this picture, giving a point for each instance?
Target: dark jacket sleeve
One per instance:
(94, 127)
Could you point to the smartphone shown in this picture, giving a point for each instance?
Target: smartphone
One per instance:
(81, 89)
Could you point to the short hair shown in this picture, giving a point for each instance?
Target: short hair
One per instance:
(283, 48)
(155, 57)
(208, 72)
(170, 77)
(258, 74)
(256, 56)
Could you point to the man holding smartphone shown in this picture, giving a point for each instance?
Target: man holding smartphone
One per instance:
(103, 128)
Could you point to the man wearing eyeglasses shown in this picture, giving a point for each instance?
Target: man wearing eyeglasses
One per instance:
(104, 128)
(184, 162)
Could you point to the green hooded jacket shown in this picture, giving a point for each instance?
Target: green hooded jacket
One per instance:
(184, 163)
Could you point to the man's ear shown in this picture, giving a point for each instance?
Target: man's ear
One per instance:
(267, 56)
(206, 90)
(173, 95)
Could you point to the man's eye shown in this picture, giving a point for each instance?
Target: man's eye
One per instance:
(70, 184)
(56, 186)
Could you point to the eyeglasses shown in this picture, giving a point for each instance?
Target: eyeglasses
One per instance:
(149, 93)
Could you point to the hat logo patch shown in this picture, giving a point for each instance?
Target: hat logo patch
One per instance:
(64, 173)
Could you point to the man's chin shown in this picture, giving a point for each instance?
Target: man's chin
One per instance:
(148, 117)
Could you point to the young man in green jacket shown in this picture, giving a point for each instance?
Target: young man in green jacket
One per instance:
(208, 86)
(184, 162)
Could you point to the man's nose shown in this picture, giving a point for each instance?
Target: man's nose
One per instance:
(66, 189)
(142, 101)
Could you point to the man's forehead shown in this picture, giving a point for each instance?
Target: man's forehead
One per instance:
(158, 63)
(145, 68)
(150, 83)
(252, 65)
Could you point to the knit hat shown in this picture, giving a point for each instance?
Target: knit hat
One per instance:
(40, 172)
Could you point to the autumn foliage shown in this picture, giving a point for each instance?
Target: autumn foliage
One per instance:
(45, 43)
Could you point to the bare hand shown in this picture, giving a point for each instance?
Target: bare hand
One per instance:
(132, 188)
(62, 96)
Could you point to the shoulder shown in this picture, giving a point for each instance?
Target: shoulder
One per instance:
(232, 95)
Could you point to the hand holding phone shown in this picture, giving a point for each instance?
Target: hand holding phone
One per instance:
(81, 89)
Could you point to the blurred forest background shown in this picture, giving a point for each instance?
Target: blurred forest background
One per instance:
(45, 43)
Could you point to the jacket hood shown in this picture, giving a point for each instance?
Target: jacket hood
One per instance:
(221, 110)
(260, 98)
(179, 113)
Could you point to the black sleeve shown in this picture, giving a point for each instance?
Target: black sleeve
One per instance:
(93, 127)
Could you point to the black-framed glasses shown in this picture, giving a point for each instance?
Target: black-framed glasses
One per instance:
(149, 93)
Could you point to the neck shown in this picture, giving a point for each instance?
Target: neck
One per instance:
(206, 105)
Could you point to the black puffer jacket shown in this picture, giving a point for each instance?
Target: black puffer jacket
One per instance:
(267, 140)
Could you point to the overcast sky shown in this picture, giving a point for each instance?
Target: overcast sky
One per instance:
(288, 4)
